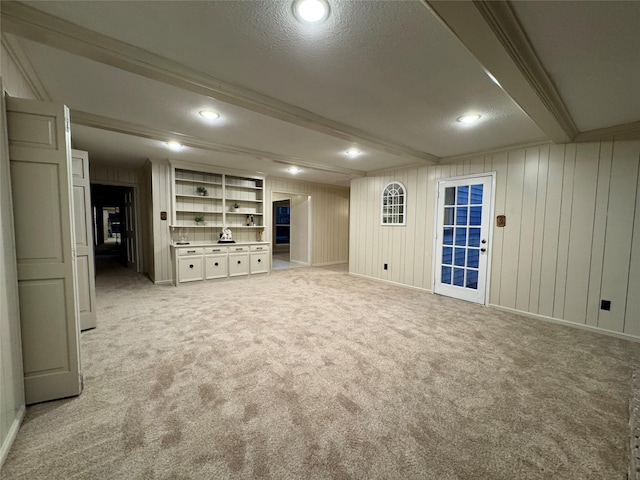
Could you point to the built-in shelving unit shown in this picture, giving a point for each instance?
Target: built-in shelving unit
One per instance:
(217, 199)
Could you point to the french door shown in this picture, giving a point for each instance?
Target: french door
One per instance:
(463, 237)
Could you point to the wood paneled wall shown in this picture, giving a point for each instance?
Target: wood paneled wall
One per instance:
(161, 201)
(329, 218)
(572, 236)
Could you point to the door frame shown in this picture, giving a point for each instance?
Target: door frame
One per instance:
(136, 223)
(492, 200)
(309, 219)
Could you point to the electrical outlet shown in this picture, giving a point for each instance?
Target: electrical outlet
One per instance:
(605, 305)
(386, 266)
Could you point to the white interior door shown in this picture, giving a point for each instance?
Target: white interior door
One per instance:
(84, 239)
(40, 164)
(463, 237)
(130, 229)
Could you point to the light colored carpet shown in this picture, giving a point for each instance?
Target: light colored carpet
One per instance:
(310, 373)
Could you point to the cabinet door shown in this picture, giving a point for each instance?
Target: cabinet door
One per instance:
(190, 269)
(215, 266)
(238, 264)
(259, 262)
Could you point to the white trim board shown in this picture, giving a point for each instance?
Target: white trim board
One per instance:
(11, 436)
(566, 323)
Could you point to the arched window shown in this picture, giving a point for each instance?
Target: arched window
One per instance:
(394, 202)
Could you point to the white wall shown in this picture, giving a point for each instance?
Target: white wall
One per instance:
(572, 236)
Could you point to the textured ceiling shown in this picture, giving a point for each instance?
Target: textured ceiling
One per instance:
(387, 73)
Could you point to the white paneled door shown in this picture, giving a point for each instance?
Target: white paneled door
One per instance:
(84, 239)
(462, 244)
(40, 164)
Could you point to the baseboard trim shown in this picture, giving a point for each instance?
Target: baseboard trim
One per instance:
(567, 323)
(11, 436)
(390, 282)
(299, 263)
(163, 282)
(326, 264)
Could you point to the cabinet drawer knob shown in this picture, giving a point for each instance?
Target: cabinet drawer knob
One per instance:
(216, 264)
(259, 260)
(239, 262)
(191, 266)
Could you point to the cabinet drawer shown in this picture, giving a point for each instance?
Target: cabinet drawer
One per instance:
(215, 266)
(238, 264)
(189, 251)
(239, 248)
(259, 248)
(189, 269)
(259, 262)
(215, 250)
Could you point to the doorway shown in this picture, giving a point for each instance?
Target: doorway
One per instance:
(114, 226)
(463, 237)
(291, 214)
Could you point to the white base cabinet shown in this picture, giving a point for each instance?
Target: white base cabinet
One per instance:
(259, 258)
(208, 262)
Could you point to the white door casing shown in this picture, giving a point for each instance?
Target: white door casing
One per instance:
(462, 247)
(84, 239)
(40, 164)
(130, 239)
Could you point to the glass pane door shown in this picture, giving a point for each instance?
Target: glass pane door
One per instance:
(462, 238)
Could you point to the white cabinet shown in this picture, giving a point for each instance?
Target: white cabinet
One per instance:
(238, 261)
(259, 258)
(190, 264)
(215, 261)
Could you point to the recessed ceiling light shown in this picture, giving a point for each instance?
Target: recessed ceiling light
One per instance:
(173, 145)
(311, 11)
(209, 114)
(468, 119)
(353, 152)
(293, 170)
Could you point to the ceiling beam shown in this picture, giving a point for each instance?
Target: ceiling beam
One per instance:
(30, 23)
(491, 32)
(119, 126)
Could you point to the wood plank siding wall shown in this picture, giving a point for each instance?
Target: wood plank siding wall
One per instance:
(329, 218)
(572, 236)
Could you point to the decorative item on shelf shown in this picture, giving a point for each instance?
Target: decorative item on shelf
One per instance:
(250, 221)
(199, 219)
(236, 207)
(202, 191)
(179, 236)
(260, 235)
(226, 236)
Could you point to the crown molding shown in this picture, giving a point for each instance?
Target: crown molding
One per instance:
(28, 22)
(119, 126)
(500, 16)
(16, 53)
(492, 34)
(630, 130)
